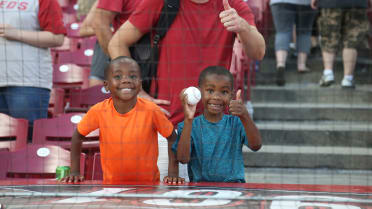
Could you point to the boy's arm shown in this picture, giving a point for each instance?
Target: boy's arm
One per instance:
(237, 108)
(172, 177)
(76, 142)
(183, 149)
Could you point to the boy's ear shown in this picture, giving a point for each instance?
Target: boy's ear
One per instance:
(105, 84)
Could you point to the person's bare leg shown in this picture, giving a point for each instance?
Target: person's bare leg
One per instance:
(281, 58)
(301, 62)
(349, 57)
(328, 59)
(327, 78)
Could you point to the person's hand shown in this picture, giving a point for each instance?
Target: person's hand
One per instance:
(189, 110)
(9, 32)
(145, 95)
(237, 107)
(230, 18)
(314, 4)
(173, 180)
(73, 178)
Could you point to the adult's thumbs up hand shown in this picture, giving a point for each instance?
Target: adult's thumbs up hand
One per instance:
(237, 107)
(226, 4)
(230, 18)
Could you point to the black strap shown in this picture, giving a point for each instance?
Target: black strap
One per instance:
(167, 16)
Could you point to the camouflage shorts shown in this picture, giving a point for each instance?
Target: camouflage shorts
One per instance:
(350, 26)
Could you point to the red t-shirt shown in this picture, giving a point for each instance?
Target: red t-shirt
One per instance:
(196, 39)
(50, 16)
(123, 7)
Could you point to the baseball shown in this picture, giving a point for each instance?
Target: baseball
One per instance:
(193, 95)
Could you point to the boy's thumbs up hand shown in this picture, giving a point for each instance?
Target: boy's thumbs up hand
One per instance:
(237, 107)
(230, 18)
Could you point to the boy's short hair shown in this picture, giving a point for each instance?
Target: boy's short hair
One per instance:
(121, 59)
(217, 70)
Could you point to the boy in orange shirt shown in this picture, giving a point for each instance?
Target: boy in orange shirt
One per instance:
(128, 128)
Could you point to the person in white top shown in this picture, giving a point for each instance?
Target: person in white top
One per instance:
(28, 28)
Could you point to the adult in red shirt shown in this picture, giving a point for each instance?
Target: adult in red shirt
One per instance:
(201, 35)
(103, 14)
(109, 13)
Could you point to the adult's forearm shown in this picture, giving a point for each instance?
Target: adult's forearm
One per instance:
(42, 39)
(104, 35)
(253, 42)
(117, 48)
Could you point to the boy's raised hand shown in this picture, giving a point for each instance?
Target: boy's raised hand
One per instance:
(73, 178)
(189, 110)
(173, 180)
(237, 107)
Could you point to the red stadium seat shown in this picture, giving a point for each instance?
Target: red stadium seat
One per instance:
(56, 102)
(82, 99)
(13, 132)
(73, 29)
(38, 161)
(58, 131)
(82, 57)
(97, 173)
(69, 76)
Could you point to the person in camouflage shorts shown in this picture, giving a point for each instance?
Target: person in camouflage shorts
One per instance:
(341, 23)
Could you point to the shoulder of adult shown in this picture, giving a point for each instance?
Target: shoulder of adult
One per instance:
(146, 14)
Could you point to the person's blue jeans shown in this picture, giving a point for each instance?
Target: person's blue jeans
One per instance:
(287, 15)
(30, 103)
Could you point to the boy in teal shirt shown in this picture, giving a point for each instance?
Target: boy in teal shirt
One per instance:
(212, 143)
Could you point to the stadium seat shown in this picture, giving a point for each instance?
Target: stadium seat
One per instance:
(56, 102)
(13, 132)
(97, 173)
(82, 99)
(38, 161)
(69, 76)
(58, 131)
(73, 29)
(82, 57)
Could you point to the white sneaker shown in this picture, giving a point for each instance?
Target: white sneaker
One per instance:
(326, 80)
(346, 83)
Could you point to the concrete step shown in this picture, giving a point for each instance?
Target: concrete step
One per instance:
(311, 93)
(267, 71)
(312, 111)
(316, 133)
(286, 156)
(318, 176)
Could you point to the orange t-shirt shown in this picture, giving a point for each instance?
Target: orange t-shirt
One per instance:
(128, 142)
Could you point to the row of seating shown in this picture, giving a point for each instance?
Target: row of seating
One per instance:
(19, 159)
(41, 161)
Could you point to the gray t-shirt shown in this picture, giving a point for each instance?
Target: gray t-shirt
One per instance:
(342, 3)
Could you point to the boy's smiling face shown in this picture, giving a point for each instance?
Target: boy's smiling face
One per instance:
(216, 93)
(124, 81)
